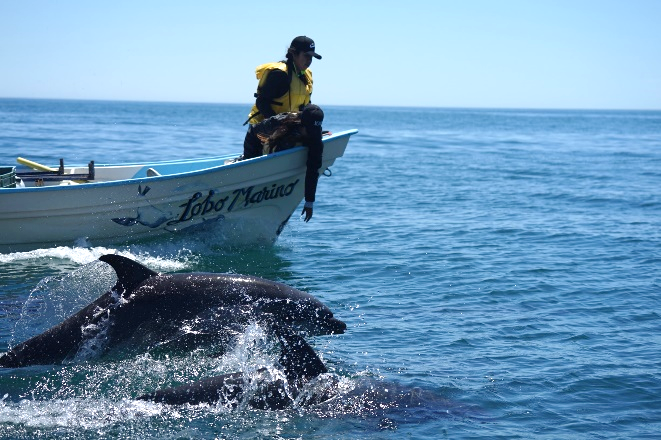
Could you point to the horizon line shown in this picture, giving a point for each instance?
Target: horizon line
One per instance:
(334, 105)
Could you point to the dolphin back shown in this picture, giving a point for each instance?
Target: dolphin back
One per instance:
(129, 273)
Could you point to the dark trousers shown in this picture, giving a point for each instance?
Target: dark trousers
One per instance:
(252, 147)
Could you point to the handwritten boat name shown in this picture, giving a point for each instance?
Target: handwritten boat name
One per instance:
(199, 205)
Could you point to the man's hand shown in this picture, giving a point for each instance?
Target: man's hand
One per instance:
(308, 214)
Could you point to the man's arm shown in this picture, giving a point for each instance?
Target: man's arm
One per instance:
(315, 153)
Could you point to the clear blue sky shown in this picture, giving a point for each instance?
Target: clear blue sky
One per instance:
(599, 54)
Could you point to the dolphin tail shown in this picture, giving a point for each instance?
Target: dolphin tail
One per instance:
(129, 273)
(298, 359)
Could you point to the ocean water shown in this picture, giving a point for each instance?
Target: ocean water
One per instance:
(499, 272)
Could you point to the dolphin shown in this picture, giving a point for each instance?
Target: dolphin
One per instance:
(300, 364)
(307, 383)
(143, 299)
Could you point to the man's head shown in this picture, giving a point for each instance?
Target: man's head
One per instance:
(312, 116)
(306, 45)
(302, 50)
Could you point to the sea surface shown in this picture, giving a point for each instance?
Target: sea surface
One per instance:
(499, 272)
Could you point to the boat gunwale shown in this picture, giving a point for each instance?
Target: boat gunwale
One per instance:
(165, 177)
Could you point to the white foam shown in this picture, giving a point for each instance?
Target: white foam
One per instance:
(86, 255)
(74, 413)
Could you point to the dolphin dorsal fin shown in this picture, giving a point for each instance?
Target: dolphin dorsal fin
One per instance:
(129, 273)
(297, 357)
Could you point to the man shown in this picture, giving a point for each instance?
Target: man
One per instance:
(287, 130)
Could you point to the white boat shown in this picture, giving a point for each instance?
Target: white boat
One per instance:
(248, 201)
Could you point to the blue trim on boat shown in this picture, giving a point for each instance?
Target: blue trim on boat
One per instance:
(169, 176)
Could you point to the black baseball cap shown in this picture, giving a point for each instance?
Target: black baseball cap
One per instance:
(312, 116)
(304, 44)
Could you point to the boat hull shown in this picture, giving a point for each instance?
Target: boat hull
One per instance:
(244, 202)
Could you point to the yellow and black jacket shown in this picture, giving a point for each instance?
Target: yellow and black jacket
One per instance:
(280, 90)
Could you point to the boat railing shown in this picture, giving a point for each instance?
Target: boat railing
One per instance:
(53, 175)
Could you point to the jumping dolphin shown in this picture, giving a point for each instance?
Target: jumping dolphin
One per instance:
(143, 298)
(299, 361)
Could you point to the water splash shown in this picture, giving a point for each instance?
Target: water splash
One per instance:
(159, 259)
(75, 413)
